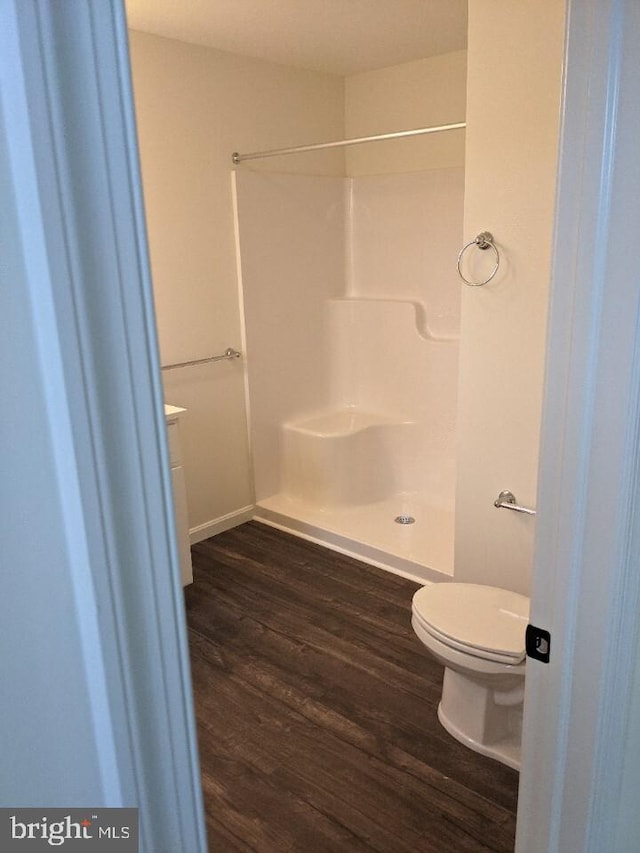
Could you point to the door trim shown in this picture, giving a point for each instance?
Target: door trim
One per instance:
(75, 174)
(586, 589)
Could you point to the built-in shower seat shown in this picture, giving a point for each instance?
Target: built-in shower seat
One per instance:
(346, 456)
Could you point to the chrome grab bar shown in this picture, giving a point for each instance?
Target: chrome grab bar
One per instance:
(507, 500)
(229, 353)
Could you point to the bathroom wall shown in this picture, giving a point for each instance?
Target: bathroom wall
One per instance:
(415, 94)
(195, 106)
(513, 102)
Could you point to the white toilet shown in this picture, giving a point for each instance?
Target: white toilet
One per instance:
(478, 634)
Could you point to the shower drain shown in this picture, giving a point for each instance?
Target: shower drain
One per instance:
(404, 519)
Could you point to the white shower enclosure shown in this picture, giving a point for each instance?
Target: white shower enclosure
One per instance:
(351, 307)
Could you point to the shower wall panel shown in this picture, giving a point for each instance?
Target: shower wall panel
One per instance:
(382, 363)
(405, 235)
(353, 387)
(291, 250)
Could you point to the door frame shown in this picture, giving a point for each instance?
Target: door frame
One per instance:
(102, 359)
(578, 729)
(66, 98)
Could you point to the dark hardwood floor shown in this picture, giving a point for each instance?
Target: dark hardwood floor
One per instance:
(316, 709)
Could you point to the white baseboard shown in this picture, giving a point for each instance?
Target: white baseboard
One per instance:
(219, 525)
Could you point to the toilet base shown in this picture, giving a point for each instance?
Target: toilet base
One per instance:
(469, 712)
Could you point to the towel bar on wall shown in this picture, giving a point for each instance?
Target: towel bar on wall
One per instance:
(507, 500)
(228, 354)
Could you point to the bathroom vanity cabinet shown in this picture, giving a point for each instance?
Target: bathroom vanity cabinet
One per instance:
(173, 415)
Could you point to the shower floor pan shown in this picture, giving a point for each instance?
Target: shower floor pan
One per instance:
(348, 474)
(421, 551)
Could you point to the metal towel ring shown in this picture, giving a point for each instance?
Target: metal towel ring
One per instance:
(483, 241)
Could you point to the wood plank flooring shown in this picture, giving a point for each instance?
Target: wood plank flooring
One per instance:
(316, 710)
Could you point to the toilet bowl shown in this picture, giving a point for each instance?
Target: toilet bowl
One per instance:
(478, 634)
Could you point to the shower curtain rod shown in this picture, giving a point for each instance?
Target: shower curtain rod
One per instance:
(256, 155)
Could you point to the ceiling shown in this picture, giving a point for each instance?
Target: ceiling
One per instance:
(333, 36)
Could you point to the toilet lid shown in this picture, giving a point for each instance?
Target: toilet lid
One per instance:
(484, 618)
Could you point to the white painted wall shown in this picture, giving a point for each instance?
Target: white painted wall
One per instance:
(195, 106)
(513, 102)
(415, 94)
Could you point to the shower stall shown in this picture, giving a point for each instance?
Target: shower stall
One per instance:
(351, 306)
